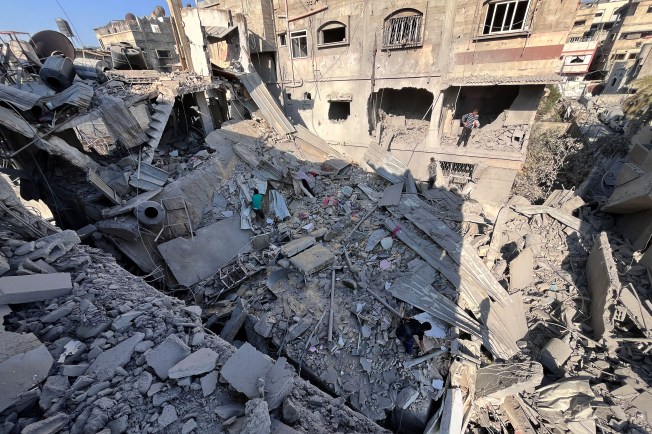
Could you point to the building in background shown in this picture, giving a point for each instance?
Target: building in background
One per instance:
(153, 35)
(627, 49)
(390, 80)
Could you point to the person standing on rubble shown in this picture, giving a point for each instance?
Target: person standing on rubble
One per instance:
(469, 122)
(407, 329)
(257, 204)
(432, 172)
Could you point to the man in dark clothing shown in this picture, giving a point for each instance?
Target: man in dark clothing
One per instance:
(432, 172)
(469, 122)
(408, 329)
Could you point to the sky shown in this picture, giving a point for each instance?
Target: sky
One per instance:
(85, 15)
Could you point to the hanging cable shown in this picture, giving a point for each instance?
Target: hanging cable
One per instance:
(81, 44)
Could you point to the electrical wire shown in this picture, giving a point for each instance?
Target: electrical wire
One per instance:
(72, 24)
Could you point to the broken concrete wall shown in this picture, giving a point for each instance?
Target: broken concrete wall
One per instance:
(604, 286)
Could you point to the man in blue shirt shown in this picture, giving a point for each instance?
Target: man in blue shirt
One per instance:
(469, 122)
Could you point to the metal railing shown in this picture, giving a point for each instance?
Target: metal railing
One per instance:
(402, 32)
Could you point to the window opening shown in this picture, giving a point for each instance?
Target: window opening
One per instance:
(163, 54)
(339, 111)
(505, 17)
(402, 31)
(282, 40)
(299, 41)
(332, 33)
(459, 174)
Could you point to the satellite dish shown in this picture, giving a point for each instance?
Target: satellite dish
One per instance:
(130, 17)
(159, 11)
(47, 42)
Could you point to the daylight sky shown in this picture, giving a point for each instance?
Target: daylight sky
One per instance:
(34, 15)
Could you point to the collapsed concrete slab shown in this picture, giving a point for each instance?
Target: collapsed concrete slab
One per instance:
(298, 245)
(604, 286)
(278, 383)
(631, 197)
(34, 287)
(521, 270)
(496, 382)
(555, 354)
(192, 260)
(313, 260)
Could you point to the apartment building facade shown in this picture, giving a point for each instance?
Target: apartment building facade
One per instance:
(151, 34)
(397, 76)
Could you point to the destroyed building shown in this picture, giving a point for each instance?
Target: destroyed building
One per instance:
(153, 36)
(398, 76)
(155, 299)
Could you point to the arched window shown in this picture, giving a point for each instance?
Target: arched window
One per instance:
(332, 33)
(403, 29)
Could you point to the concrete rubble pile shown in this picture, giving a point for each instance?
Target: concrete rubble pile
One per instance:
(88, 347)
(540, 314)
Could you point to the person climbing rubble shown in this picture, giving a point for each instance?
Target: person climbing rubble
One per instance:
(469, 122)
(257, 204)
(407, 329)
(432, 173)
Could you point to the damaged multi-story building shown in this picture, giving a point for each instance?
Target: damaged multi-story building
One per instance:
(239, 243)
(397, 76)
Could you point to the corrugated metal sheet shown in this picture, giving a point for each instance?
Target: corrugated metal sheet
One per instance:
(266, 103)
(218, 32)
(18, 98)
(385, 165)
(310, 142)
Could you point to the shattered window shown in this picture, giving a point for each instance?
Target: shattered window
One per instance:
(299, 42)
(156, 28)
(505, 16)
(403, 31)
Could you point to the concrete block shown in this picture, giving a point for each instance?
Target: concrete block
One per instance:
(228, 411)
(313, 260)
(55, 387)
(406, 397)
(233, 325)
(244, 368)
(628, 172)
(168, 416)
(50, 425)
(197, 363)
(297, 246)
(22, 372)
(167, 354)
(279, 427)
(34, 287)
(74, 370)
(631, 197)
(521, 270)
(126, 229)
(636, 227)
(208, 383)
(104, 365)
(123, 321)
(257, 419)
(496, 382)
(86, 231)
(643, 403)
(16, 343)
(279, 382)
(4, 264)
(555, 354)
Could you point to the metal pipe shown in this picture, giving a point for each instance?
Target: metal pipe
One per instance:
(288, 40)
(307, 14)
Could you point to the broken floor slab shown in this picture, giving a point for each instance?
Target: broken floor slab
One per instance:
(496, 382)
(195, 259)
(312, 260)
(296, 246)
(34, 287)
(167, 354)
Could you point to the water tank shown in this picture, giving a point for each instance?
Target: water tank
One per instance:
(159, 11)
(91, 69)
(64, 27)
(57, 73)
(130, 17)
(47, 42)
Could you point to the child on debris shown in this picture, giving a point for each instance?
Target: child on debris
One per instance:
(407, 329)
(257, 204)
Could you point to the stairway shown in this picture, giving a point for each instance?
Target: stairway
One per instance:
(154, 132)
